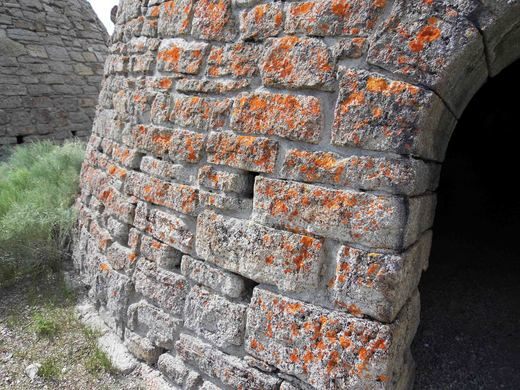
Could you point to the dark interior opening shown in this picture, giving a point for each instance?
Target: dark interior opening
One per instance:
(469, 336)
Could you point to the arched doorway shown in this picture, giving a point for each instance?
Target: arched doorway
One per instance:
(469, 336)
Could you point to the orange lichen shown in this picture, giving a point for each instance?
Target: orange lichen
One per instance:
(427, 34)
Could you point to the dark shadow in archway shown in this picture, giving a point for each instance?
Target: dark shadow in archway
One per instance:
(469, 337)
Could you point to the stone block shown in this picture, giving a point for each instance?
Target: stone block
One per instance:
(352, 216)
(174, 18)
(236, 60)
(165, 289)
(378, 284)
(180, 56)
(215, 318)
(213, 277)
(395, 175)
(327, 349)
(333, 17)
(262, 21)
(213, 20)
(288, 260)
(142, 348)
(256, 154)
(153, 324)
(376, 113)
(219, 180)
(173, 368)
(230, 370)
(293, 117)
(293, 62)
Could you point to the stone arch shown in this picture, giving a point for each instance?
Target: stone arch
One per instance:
(258, 194)
(51, 67)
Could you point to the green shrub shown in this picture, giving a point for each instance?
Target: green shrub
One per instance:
(44, 324)
(49, 369)
(38, 184)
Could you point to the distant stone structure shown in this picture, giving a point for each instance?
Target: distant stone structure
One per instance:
(258, 194)
(51, 65)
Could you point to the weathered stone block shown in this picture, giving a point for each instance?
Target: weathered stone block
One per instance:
(289, 261)
(174, 17)
(292, 62)
(256, 154)
(178, 55)
(208, 275)
(225, 202)
(230, 370)
(333, 17)
(215, 179)
(377, 113)
(265, 20)
(142, 348)
(326, 349)
(166, 170)
(200, 113)
(432, 43)
(397, 175)
(214, 20)
(169, 228)
(153, 324)
(186, 146)
(164, 289)
(368, 219)
(165, 256)
(211, 86)
(121, 257)
(237, 60)
(287, 116)
(175, 370)
(178, 197)
(378, 284)
(215, 318)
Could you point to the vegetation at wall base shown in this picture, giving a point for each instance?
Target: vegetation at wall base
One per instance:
(38, 185)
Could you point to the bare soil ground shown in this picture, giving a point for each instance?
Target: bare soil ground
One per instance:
(38, 325)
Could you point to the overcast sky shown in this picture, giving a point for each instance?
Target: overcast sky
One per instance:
(102, 8)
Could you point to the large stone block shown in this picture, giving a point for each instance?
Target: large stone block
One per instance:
(153, 324)
(289, 261)
(376, 113)
(292, 62)
(215, 318)
(164, 289)
(213, 277)
(287, 116)
(378, 284)
(379, 221)
(327, 349)
(396, 175)
(433, 43)
(333, 17)
(256, 154)
(229, 369)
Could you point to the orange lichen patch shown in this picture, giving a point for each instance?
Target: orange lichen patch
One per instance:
(379, 3)
(333, 361)
(302, 8)
(269, 260)
(354, 99)
(353, 309)
(340, 7)
(427, 34)
(254, 344)
(132, 257)
(385, 378)
(376, 84)
(293, 308)
(294, 357)
(104, 267)
(166, 83)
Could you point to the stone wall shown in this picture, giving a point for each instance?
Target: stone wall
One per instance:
(258, 194)
(51, 66)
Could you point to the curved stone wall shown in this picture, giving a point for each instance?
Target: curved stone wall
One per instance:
(51, 66)
(258, 194)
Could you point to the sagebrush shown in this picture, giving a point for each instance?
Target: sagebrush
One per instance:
(38, 185)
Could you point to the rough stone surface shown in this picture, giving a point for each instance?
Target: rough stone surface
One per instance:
(51, 67)
(258, 192)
